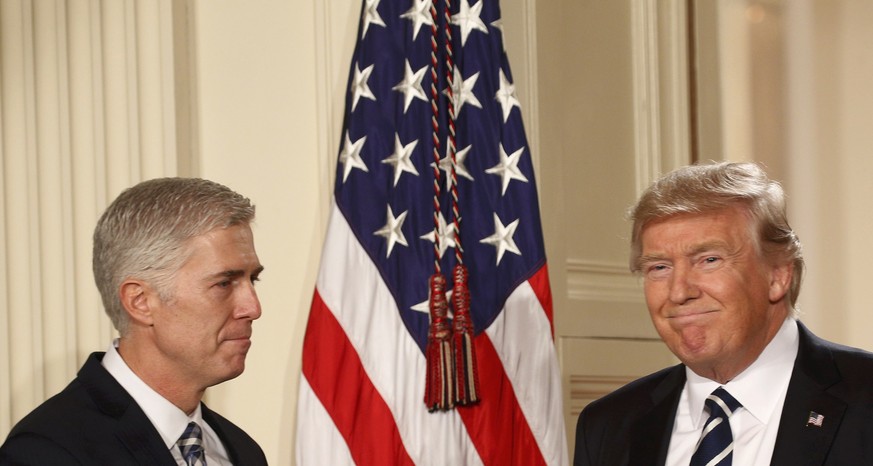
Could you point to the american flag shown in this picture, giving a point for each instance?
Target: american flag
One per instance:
(361, 397)
(815, 419)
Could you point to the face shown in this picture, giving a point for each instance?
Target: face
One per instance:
(713, 299)
(202, 333)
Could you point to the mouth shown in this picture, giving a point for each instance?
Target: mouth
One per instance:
(244, 340)
(684, 316)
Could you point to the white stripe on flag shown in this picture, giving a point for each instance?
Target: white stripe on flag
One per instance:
(316, 430)
(521, 335)
(353, 290)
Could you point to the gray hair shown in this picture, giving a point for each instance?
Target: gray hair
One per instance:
(144, 232)
(711, 187)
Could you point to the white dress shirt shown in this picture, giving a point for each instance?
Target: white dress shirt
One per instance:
(168, 419)
(761, 389)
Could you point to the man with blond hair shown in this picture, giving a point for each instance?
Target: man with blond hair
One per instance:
(721, 270)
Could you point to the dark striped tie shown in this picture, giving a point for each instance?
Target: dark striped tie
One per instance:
(191, 444)
(716, 444)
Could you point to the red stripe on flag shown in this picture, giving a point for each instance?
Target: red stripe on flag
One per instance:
(334, 371)
(496, 424)
(540, 284)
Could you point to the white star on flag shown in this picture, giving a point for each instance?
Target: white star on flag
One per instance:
(460, 168)
(498, 24)
(502, 238)
(371, 16)
(508, 168)
(506, 96)
(424, 306)
(419, 14)
(350, 157)
(462, 91)
(392, 230)
(401, 158)
(360, 88)
(411, 86)
(468, 19)
(446, 234)
(367, 354)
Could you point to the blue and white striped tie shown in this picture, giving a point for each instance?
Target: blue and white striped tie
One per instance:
(191, 444)
(716, 444)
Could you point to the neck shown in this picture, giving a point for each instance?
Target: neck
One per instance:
(166, 384)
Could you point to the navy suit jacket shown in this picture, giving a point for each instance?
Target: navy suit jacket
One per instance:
(633, 425)
(94, 421)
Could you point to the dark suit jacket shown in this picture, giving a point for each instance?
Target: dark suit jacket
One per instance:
(633, 425)
(95, 422)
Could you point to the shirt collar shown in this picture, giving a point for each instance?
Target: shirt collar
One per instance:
(168, 419)
(772, 369)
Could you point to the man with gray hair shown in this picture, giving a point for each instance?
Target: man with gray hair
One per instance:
(175, 263)
(721, 270)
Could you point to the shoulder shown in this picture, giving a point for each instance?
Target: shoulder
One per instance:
(241, 446)
(65, 411)
(606, 427)
(84, 413)
(817, 351)
(29, 448)
(615, 413)
(846, 370)
(640, 391)
(854, 364)
(56, 430)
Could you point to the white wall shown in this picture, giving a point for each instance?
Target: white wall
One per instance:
(830, 167)
(270, 100)
(793, 91)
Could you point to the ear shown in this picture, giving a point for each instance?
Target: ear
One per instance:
(135, 296)
(780, 280)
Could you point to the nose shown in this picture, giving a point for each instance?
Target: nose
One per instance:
(683, 285)
(248, 304)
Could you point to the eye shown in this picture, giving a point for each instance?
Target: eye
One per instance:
(709, 261)
(224, 283)
(656, 271)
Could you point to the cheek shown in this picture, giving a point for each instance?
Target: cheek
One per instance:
(655, 294)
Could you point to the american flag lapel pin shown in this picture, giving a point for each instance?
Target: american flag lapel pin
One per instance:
(815, 419)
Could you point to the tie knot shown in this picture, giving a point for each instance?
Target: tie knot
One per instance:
(721, 403)
(191, 445)
(716, 444)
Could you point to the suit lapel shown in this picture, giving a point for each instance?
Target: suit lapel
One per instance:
(650, 434)
(798, 442)
(230, 444)
(133, 428)
(143, 441)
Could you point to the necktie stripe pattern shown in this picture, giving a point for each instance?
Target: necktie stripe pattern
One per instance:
(716, 445)
(191, 445)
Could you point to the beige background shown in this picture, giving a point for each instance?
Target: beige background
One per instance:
(97, 95)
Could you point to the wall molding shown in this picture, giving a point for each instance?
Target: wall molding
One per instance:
(530, 110)
(602, 281)
(586, 388)
(659, 34)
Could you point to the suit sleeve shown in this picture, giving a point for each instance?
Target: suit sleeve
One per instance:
(33, 450)
(580, 456)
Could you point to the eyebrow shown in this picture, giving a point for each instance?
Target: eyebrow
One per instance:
(649, 258)
(235, 273)
(698, 249)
